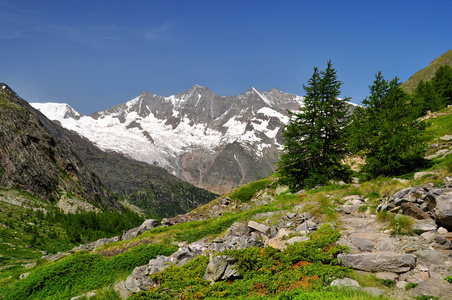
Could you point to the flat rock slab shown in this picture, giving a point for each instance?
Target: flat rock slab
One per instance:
(259, 227)
(379, 261)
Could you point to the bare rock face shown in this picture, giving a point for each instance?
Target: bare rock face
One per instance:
(379, 261)
(35, 156)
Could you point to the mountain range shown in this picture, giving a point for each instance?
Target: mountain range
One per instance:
(211, 141)
(61, 167)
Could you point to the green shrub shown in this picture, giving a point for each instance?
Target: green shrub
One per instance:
(80, 273)
(448, 279)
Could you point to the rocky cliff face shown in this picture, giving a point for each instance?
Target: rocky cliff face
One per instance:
(35, 158)
(210, 141)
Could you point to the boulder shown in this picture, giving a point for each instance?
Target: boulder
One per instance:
(440, 271)
(414, 211)
(443, 209)
(259, 227)
(221, 268)
(345, 282)
(362, 244)
(419, 175)
(387, 261)
(426, 225)
(433, 287)
(238, 229)
(134, 232)
(307, 226)
(429, 257)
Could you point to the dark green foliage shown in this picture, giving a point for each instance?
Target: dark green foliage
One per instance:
(90, 226)
(80, 273)
(426, 98)
(386, 132)
(314, 138)
(442, 81)
(448, 279)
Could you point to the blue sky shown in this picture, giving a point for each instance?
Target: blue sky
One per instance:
(95, 54)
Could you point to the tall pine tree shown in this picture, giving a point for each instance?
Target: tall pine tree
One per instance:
(386, 130)
(314, 138)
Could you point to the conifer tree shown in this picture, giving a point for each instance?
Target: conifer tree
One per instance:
(442, 81)
(314, 138)
(386, 130)
(426, 98)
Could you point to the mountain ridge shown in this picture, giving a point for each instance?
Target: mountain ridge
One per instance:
(186, 133)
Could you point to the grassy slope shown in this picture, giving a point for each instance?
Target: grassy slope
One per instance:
(427, 73)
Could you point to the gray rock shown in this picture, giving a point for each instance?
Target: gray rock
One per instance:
(345, 282)
(307, 226)
(433, 287)
(401, 284)
(387, 243)
(440, 271)
(298, 239)
(134, 232)
(429, 257)
(419, 175)
(442, 230)
(379, 261)
(87, 295)
(422, 226)
(221, 268)
(238, 229)
(24, 275)
(259, 227)
(387, 275)
(362, 244)
(443, 209)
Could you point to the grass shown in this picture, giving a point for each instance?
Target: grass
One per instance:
(79, 273)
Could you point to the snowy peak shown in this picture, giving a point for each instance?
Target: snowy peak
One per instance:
(57, 111)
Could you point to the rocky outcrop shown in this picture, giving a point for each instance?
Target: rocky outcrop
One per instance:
(134, 232)
(35, 157)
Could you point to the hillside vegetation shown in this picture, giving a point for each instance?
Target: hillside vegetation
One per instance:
(428, 72)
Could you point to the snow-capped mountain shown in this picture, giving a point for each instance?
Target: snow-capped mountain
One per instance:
(211, 141)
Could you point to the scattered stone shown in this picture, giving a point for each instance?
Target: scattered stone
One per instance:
(433, 287)
(362, 244)
(414, 211)
(429, 257)
(426, 225)
(86, 295)
(24, 275)
(345, 282)
(259, 227)
(221, 268)
(401, 284)
(298, 239)
(446, 138)
(442, 230)
(307, 226)
(419, 175)
(443, 210)
(440, 271)
(387, 275)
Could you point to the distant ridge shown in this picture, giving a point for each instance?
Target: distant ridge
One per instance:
(427, 73)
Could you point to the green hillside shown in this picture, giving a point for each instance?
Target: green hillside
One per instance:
(427, 73)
